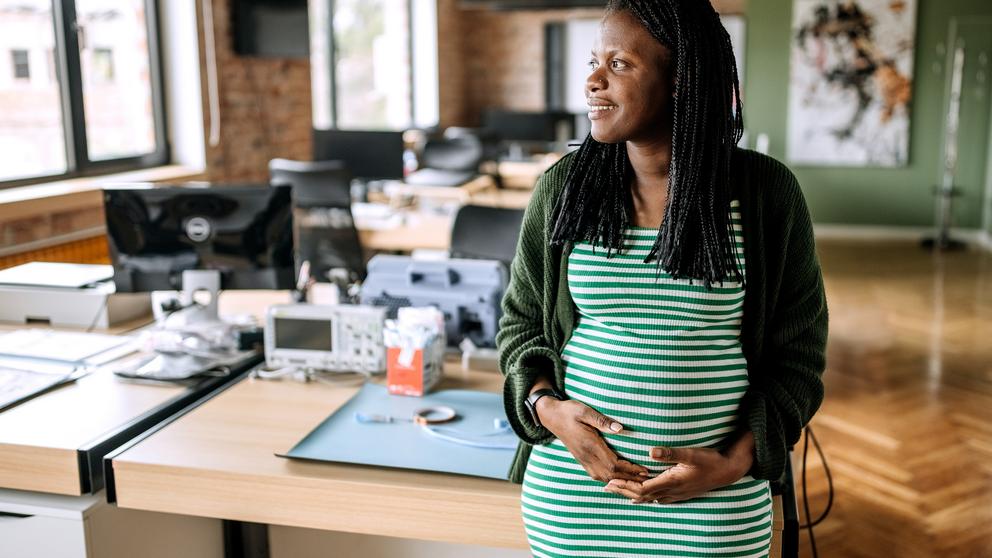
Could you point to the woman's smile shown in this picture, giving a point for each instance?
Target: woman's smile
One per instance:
(600, 109)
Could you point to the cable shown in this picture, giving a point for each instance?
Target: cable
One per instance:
(311, 375)
(103, 306)
(830, 481)
(830, 489)
(812, 539)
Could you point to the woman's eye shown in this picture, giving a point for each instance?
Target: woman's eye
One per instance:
(592, 64)
(618, 64)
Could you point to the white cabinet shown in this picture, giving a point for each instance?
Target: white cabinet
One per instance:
(35, 525)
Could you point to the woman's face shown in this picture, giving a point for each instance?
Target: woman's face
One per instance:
(629, 89)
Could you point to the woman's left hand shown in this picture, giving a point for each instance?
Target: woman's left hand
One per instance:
(696, 472)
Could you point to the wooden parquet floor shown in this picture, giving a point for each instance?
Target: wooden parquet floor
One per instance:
(907, 420)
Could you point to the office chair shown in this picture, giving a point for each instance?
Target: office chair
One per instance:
(488, 233)
(324, 226)
(315, 183)
(448, 161)
(491, 149)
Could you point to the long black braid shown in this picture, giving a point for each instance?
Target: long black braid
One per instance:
(696, 237)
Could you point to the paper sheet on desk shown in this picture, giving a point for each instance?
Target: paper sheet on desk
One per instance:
(340, 438)
(63, 346)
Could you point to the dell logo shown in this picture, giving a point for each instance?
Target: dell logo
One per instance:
(198, 229)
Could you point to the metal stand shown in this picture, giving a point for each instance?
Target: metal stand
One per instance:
(195, 281)
(946, 191)
(942, 239)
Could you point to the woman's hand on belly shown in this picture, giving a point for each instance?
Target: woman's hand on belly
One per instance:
(696, 472)
(578, 426)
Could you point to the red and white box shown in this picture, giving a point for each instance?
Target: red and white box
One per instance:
(415, 344)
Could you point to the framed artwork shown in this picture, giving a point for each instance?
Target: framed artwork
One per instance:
(851, 82)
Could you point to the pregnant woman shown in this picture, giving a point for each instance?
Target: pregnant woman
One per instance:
(665, 326)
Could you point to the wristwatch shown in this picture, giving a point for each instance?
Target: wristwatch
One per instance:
(532, 399)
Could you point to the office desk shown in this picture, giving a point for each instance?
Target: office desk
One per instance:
(427, 231)
(419, 231)
(218, 461)
(524, 174)
(55, 443)
(462, 193)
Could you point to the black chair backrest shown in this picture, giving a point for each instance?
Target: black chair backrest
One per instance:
(461, 153)
(488, 233)
(315, 183)
(325, 228)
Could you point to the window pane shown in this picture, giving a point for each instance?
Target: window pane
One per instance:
(373, 63)
(32, 140)
(117, 89)
(22, 67)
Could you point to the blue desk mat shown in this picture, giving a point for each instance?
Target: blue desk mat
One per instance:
(341, 438)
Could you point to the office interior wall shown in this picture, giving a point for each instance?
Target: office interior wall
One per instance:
(887, 197)
(987, 219)
(503, 58)
(496, 58)
(265, 106)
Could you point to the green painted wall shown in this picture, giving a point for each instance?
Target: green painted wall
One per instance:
(865, 196)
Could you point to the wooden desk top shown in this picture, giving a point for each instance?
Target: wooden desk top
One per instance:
(524, 174)
(426, 231)
(39, 438)
(441, 193)
(419, 231)
(219, 461)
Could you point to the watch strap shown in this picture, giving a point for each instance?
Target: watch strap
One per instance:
(532, 399)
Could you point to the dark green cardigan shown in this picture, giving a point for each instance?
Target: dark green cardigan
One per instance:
(784, 329)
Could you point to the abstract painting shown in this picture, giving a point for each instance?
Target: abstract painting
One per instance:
(851, 82)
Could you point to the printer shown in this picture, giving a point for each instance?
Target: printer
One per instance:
(468, 292)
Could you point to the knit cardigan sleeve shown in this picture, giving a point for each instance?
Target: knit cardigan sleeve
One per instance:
(523, 341)
(788, 388)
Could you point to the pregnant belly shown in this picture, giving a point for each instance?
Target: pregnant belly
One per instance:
(680, 405)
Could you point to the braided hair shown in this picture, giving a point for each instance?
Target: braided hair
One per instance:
(696, 238)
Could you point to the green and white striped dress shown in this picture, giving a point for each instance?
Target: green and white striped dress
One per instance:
(664, 358)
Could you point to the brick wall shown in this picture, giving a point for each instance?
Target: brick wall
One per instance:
(492, 58)
(495, 58)
(265, 109)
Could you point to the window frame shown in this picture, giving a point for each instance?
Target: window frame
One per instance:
(332, 50)
(69, 78)
(15, 64)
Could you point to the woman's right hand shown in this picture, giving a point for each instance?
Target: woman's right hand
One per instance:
(578, 426)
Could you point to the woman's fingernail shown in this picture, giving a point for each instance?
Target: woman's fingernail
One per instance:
(616, 427)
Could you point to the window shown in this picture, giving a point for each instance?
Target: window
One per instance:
(374, 64)
(103, 65)
(98, 108)
(22, 68)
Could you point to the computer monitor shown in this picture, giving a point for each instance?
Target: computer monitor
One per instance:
(530, 131)
(369, 155)
(242, 233)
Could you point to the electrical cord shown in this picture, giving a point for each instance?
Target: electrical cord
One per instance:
(830, 489)
(307, 375)
(96, 319)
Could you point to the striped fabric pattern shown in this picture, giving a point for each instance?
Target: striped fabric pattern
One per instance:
(664, 358)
